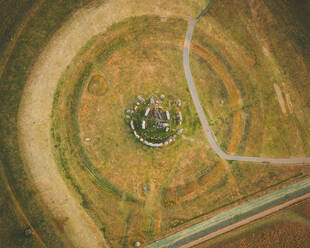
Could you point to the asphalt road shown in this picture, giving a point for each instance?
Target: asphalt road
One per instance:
(203, 118)
(245, 221)
(242, 214)
(236, 217)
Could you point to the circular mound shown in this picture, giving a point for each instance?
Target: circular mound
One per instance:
(97, 86)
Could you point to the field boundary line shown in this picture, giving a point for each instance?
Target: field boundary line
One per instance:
(11, 45)
(19, 208)
(219, 223)
(246, 221)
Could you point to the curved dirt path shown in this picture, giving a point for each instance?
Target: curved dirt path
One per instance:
(35, 109)
(203, 118)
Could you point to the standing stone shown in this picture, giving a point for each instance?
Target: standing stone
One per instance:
(28, 232)
(144, 189)
(137, 244)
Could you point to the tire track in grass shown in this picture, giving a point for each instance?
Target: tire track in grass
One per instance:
(8, 51)
(19, 208)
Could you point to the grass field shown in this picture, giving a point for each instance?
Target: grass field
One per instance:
(13, 223)
(129, 164)
(186, 182)
(252, 58)
(287, 228)
(14, 70)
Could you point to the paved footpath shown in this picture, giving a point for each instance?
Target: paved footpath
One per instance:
(203, 118)
(242, 214)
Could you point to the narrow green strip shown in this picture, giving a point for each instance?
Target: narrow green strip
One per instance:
(236, 214)
(205, 9)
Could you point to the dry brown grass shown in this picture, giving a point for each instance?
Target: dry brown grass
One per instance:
(252, 50)
(288, 228)
(185, 180)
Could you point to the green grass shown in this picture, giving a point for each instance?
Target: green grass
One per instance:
(69, 132)
(72, 101)
(151, 133)
(35, 36)
(12, 14)
(116, 163)
(12, 224)
(267, 132)
(33, 39)
(255, 230)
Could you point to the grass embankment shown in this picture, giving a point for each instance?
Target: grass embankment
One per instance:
(113, 152)
(287, 228)
(257, 59)
(32, 38)
(184, 181)
(35, 35)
